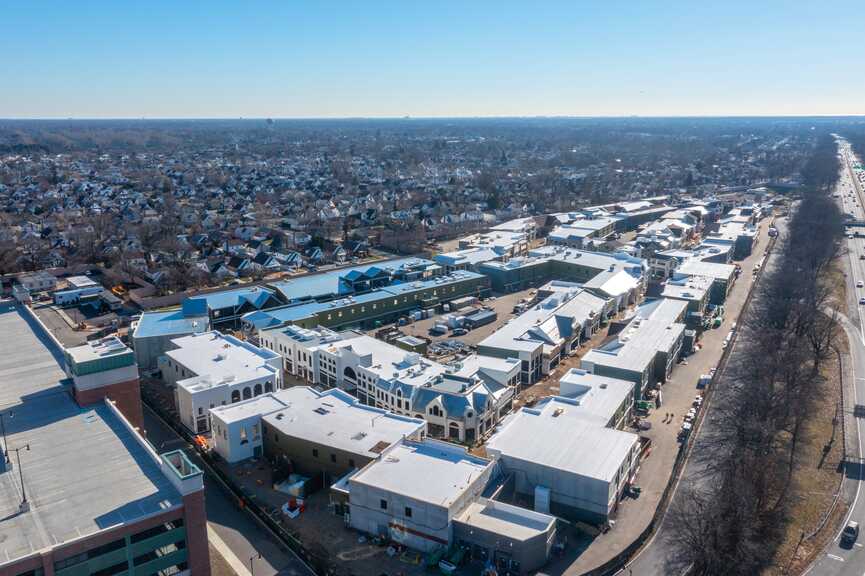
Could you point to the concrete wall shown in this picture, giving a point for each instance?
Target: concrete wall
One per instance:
(531, 554)
(427, 529)
(304, 461)
(581, 497)
(127, 396)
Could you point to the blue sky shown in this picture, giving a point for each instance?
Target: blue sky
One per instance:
(436, 58)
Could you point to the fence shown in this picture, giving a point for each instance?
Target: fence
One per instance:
(285, 539)
(614, 565)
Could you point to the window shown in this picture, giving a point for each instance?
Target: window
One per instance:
(92, 553)
(158, 553)
(118, 568)
(315, 452)
(351, 462)
(156, 530)
(408, 511)
(333, 458)
(382, 504)
(200, 410)
(243, 438)
(173, 570)
(255, 431)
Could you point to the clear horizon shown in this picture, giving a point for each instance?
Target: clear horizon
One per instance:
(101, 60)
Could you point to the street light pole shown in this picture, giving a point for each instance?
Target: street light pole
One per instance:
(24, 506)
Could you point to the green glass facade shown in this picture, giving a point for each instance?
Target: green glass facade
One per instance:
(160, 550)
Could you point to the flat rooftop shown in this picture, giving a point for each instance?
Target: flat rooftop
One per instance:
(171, 323)
(505, 519)
(80, 282)
(687, 288)
(97, 349)
(336, 419)
(389, 362)
(431, 471)
(222, 357)
(558, 434)
(713, 270)
(74, 452)
(654, 328)
(597, 396)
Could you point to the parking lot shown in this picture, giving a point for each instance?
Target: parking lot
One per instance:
(502, 305)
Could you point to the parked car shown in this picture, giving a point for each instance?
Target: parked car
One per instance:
(459, 332)
(850, 533)
(860, 284)
(861, 301)
(438, 330)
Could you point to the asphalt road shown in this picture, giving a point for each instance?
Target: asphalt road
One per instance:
(837, 559)
(653, 558)
(236, 529)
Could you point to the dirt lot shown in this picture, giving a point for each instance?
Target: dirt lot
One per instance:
(59, 326)
(321, 531)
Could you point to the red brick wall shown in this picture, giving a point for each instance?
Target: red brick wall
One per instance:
(127, 396)
(48, 557)
(196, 534)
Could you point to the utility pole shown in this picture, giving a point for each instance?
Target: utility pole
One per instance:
(24, 506)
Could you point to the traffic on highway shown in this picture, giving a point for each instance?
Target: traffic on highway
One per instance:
(845, 554)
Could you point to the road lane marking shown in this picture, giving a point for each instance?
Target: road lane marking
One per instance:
(833, 557)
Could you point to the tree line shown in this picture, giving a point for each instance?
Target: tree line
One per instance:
(733, 518)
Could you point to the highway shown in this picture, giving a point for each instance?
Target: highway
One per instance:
(837, 559)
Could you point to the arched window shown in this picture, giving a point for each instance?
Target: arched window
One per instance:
(235, 396)
(268, 387)
(349, 373)
(399, 393)
(247, 393)
(257, 390)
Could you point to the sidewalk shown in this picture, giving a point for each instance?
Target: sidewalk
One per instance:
(655, 470)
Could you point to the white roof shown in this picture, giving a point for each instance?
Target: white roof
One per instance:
(695, 267)
(613, 283)
(653, 329)
(473, 363)
(505, 519)
(598, 396)
(430, 471)
(558, 435)
(389, 362)
(221, 358)
(538, 325)
(96, 349)
(687, 287)
(516, 225)
(252, 408)
(81, 281)
(336, 419)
